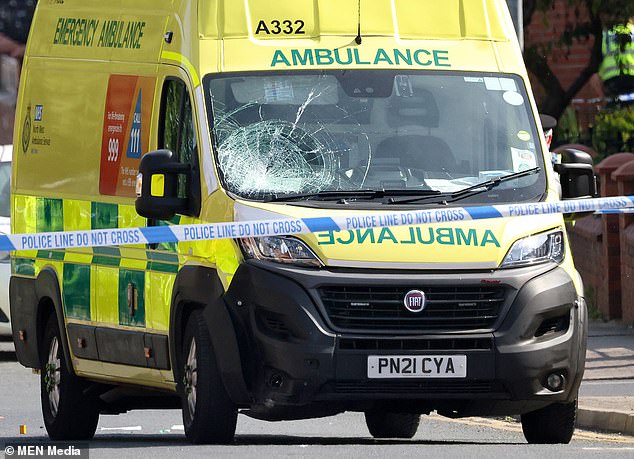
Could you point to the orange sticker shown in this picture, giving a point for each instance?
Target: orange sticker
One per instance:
(126, 132)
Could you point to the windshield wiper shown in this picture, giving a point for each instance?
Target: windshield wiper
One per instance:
(471, 190)
(323, 195)
(352, 194)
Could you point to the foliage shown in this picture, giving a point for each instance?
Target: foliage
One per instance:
(591, 303)
(585, 22)
(567, 130)
(614, 131)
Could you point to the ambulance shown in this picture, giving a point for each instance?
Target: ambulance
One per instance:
(162, 113)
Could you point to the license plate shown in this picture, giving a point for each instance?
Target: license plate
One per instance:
(417, 366)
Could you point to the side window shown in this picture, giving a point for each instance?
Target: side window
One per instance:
(178, 134)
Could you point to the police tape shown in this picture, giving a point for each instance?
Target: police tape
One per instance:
(614, 211)
(293, 226)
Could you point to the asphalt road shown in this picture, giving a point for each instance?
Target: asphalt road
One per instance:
(158, 434)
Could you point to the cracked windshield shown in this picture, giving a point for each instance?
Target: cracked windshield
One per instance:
(368, 134)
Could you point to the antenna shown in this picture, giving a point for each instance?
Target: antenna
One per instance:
(358, 40)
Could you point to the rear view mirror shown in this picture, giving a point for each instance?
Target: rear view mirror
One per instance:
(157, 186)
(577, 175)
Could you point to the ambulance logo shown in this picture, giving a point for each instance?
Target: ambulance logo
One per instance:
(26, 131)
(415, 301)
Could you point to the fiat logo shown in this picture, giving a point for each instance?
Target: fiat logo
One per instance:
(415, 300)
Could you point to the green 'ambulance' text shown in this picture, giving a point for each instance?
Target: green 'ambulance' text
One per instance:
(348, 56)
(107, 34)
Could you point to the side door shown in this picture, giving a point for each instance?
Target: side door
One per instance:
(177, 132)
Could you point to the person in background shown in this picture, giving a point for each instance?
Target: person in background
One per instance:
(617, 69)
(15, 22)
(549, 123)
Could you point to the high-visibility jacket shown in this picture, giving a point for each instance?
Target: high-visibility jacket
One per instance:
(617, 59)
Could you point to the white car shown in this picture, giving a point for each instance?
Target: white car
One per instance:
(5, 228)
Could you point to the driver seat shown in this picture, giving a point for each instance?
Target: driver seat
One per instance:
(414, 151)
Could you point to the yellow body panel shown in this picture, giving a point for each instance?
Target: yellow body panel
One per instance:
(123, 374)
(105, 310)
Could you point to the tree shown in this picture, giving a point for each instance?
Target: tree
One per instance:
(590, 19)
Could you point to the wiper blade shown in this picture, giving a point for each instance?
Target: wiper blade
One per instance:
(353, 194)
(472, 190)
(490, 184)
(325, 195)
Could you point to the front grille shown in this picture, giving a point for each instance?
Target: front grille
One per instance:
(388, 344)
(453, 308)
(415, 387)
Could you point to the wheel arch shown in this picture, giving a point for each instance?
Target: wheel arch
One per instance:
(199, 287)
(33, 300)
(48, 293)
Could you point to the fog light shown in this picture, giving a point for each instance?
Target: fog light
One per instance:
(555, 382)
(276, 381)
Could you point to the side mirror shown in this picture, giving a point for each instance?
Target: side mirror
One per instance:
(157, 185)
(577, 175)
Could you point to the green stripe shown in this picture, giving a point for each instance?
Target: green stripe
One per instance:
(76, 291)
(51, 254)
(137, 280)
(162, 267)
(23, 266)
(50, 215)
(104, 215)
(108, 251)
(162, 262)
(106, 261)
(108, 256)
(162, 256)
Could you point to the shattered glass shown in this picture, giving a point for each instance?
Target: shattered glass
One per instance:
(283, 154)
(286, 133)
(275, 156)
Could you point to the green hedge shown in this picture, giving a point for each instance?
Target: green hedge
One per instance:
(614, 131)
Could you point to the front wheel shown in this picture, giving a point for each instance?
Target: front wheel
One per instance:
(209, 416)
(552, 424)
(69, 413)
(392, 425)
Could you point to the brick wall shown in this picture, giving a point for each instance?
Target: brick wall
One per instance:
(627, 274)
(603, 246)
(586, 244)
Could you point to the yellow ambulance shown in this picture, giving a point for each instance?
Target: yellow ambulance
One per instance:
(161, 113)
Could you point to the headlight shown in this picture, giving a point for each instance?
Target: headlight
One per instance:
(280, 250)
(5, 257)
(536, 249)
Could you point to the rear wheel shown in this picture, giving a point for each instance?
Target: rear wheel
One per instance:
(69, 414)
(209, 416)
(392, 425)
(552, 424)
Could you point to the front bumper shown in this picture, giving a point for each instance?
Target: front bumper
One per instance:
(295, 353)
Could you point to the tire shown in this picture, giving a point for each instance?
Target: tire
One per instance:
(392, 425)
(552, 424)
(209, 415)
(68, 413)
